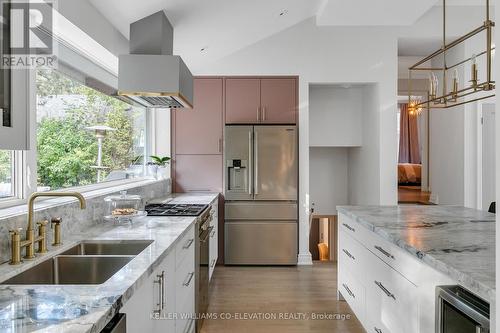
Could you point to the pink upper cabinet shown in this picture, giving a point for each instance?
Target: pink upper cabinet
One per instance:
(278, 100)
(195, 173)
(199, 131)
(242, 101)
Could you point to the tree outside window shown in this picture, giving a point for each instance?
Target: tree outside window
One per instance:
(67, 151)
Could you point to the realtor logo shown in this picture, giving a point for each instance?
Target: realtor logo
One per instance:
(26, 34)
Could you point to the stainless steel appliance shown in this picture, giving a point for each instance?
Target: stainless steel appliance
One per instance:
(151, 75)
(202, 280)
(261, 176)
(459, 311)
(161, 209)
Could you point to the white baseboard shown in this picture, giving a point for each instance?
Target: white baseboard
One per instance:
(304, 259)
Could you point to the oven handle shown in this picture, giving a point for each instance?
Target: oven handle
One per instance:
(204, 239)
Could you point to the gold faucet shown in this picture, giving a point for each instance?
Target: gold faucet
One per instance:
(17, 244)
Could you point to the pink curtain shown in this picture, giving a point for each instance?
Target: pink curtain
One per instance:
(409, 151)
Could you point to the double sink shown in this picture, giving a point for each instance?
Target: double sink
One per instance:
(88, 262)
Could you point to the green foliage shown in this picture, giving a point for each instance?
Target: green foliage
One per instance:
(161, 161)
(5, 166)
(65, 153)
(66, 150)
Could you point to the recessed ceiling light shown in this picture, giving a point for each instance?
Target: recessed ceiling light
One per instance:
(284, 12)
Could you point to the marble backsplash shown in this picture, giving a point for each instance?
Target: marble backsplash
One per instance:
(75, 220)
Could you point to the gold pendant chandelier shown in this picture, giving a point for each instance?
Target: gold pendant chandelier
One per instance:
(453, 96)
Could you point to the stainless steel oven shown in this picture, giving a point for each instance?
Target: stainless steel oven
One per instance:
(459, 311)
(204, 231)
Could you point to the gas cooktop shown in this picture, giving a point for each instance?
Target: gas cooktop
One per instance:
(175, 209)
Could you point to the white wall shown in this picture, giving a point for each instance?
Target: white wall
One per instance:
(454, 136)
(328, 175)
(84, 15)
(447, 143)
(335, 115)
(363, 161)
(332, 55)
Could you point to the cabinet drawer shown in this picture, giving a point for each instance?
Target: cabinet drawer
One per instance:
(353, 292)
(391, 299)
(391, 254)
(394, 256)
(351, 253)
(374, 323)
(185, 247)
(353, 229)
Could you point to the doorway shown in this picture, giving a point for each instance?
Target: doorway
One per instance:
(323, 237)
(411, 156)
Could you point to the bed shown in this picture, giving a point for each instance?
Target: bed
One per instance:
(409, 174)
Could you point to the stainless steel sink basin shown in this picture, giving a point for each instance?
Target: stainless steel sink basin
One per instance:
(72, 270)
(111, 247)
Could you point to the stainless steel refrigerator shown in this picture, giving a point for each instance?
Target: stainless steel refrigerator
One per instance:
(260, 188)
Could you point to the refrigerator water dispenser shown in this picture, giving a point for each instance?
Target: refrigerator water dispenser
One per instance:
(237, 175)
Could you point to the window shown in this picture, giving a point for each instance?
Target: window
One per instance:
(84, 136)
(6, 174)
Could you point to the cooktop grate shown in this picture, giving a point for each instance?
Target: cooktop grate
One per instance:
(175, 209)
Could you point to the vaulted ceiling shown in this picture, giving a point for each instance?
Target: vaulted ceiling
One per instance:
(220, 27)
(208, 30)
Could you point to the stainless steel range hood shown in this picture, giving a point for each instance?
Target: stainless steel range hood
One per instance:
(150, 74)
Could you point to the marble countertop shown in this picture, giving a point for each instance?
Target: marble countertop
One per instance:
(457, 241)
(88, 308)
(203, 198)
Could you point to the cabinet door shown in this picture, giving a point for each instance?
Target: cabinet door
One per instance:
(199, 131)
(278, 101)
(139, 308)
(167, 319)
(198, 173)
(242, 101)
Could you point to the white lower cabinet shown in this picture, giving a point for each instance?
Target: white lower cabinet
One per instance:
(165, 303)
(140, 308)
(390, 300)
(388, 290)
(353, 292)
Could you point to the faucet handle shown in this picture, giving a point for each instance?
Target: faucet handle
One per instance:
(42, 223)
(55, 220)
(15, 231)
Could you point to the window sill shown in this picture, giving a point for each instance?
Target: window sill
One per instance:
(19, 207)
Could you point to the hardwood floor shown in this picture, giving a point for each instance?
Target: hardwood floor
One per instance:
(413, 195)
(271, 291)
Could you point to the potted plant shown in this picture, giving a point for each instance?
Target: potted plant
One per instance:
(161, 163)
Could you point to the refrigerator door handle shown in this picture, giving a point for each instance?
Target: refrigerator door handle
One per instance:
(256, 164)
(250, 158)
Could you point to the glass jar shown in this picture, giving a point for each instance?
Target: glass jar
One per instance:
(124, 207)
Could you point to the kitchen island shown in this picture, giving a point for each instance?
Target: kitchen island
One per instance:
(413, 249)
(88, 308)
